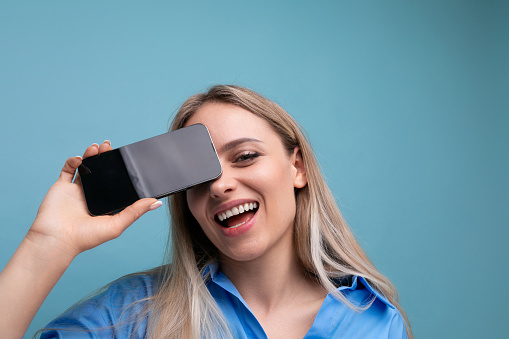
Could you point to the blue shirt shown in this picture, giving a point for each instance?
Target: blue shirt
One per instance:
(106, 315)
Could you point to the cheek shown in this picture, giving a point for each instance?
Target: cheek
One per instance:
(281, 174)
(275, 181)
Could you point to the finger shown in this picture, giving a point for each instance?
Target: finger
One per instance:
(69, 169)
(130, 214)
(91, 150)
(77, 179)
(105, 146)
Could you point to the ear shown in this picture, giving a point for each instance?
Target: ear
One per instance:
(300, 178)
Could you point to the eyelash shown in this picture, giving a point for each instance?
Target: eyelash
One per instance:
(247, 157)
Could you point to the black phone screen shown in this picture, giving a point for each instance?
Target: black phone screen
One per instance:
(154, 167)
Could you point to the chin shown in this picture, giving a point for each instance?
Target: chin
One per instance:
(243, 253)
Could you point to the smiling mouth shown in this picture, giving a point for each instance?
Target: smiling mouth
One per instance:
(236, 216)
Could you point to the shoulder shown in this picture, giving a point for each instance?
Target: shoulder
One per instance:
(375, 316)
(123, 292)
(132, 287)
(118, 304)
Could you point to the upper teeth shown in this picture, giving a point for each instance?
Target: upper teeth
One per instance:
(237, 210)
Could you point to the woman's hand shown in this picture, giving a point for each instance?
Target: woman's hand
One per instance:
(63, 219)
(62, 229)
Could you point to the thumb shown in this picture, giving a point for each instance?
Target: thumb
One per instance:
(130, 214)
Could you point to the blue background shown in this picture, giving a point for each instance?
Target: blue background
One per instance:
(405, 102)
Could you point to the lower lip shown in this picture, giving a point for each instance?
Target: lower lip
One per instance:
(239, 230)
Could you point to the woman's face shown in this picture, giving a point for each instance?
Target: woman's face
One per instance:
(249, 210)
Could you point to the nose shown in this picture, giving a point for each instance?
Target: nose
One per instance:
(223, 185)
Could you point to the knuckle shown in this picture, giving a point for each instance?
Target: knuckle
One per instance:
(133, 213)
(116, 232)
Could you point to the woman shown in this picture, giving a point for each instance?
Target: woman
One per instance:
(262, 251)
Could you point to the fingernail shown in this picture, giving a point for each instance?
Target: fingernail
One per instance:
(107, 142)
(155, 205)
(79, 156)
(96, 145)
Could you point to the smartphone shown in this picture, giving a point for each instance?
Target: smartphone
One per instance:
(151, 168)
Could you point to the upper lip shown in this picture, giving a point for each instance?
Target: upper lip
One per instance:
(230, 205)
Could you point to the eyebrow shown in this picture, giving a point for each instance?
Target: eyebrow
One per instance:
(234, 143)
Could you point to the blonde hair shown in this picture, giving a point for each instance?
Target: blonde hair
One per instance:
(183, 306)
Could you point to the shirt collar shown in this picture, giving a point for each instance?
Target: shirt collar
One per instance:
(348, 283)
(361, 282)
(218, 278)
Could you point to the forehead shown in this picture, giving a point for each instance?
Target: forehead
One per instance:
(227, 122)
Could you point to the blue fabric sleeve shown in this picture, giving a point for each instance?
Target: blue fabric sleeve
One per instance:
(111, 314)
(397, 328)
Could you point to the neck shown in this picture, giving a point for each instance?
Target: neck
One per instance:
(268, 281)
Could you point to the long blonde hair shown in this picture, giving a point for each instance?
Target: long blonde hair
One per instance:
(183, 307)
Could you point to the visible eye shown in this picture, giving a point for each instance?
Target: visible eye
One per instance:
(246, 157)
